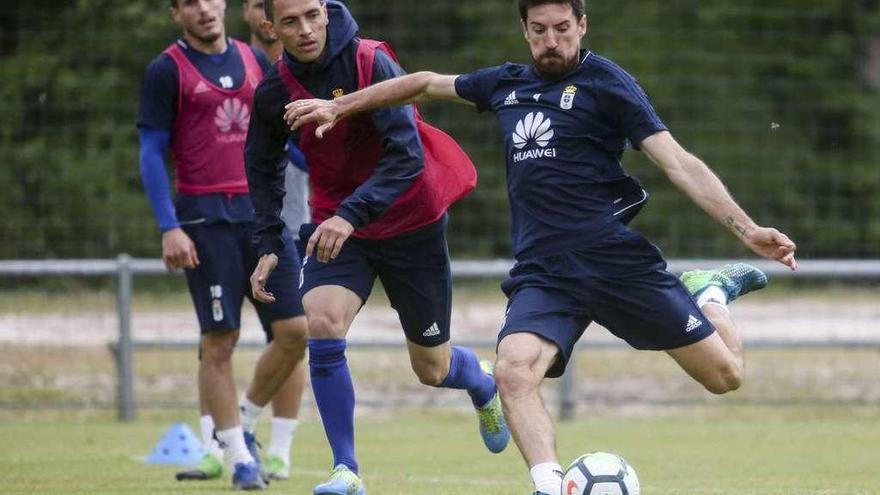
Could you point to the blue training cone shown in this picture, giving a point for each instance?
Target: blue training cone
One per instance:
(178, 446)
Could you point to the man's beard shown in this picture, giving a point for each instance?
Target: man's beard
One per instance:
(551, 66)
(206, 39)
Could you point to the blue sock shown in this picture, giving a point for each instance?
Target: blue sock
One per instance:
(465, 373)
(334, 394)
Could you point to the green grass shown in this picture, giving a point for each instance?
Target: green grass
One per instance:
(703, 450)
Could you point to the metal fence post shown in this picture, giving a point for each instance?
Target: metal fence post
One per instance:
(124, 363)
(566, 391)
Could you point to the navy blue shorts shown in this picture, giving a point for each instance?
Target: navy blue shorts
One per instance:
(622, 284)
(413, 267)
(220, 283)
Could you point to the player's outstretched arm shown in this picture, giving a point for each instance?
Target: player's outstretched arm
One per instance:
(391, 93)
(695, 179)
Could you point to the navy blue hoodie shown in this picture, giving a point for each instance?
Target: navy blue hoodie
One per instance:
(402, 159)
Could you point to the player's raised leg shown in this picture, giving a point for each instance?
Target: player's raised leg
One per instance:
(416, 274)
(717, 362)
(447, 366)
(330, 309)
(523, 361)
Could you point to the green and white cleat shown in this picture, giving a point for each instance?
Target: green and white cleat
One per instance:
(209, 468)
(493, 427)
(342, 482)
(735, 280)
(275, 468)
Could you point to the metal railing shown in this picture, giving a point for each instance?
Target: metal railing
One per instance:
(124, 268)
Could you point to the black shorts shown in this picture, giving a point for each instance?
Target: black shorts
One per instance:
(413, 267)
(220, 283)
(622, 284)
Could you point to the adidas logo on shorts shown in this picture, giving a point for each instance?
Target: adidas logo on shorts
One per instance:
(432, 331)
(693, 322)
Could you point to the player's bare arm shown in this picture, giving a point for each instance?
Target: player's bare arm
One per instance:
(411, 88)
(695, 179)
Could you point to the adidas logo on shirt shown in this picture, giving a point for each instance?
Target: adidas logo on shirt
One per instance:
(693, 322)
(511, 99)
(432, 331)
(201, 87)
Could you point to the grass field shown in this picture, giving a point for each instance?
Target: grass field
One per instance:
(702, 450)
(806, 422)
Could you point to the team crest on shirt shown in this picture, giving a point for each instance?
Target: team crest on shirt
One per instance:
(567, 100)
(338, 92)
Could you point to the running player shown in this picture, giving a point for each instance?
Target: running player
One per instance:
(380, 190)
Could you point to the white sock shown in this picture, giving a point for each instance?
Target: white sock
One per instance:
(547, 478)
(712, 295)
(232, 441)
(206, 422)
(282, 437)
(250, 413)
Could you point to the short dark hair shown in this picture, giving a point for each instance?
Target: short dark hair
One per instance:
(269, 9)
(577, 6)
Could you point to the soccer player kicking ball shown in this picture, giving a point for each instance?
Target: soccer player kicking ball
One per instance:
(566, 119)
(381, 185)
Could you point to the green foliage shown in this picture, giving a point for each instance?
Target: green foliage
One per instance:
(780, 99)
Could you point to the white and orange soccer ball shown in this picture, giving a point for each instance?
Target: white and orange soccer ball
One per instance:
(600, 473)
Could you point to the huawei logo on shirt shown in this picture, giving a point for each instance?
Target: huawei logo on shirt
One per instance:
(533, 128)
(232, 114)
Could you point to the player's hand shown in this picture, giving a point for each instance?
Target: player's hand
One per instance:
(264, 268)
(322, 112)
(772, 244)
(328, 238)
(178, 250)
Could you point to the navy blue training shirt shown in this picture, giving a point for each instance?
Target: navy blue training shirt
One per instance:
(564, 139)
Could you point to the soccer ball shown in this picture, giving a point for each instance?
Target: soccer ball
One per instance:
(600, 473)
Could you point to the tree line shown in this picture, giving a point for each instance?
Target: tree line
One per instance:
(781, 99)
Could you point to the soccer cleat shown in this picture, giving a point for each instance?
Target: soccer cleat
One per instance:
(247, 477)
(275, 468)
(735, 280)
(493, 427)
(342, 482)
(208, 468)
